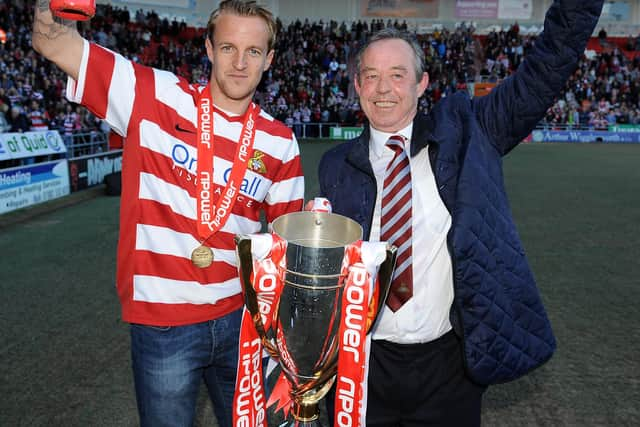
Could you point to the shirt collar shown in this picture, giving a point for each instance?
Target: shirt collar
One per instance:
(228, 113)
(378, 139)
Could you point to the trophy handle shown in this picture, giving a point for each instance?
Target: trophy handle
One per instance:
(245, 269)
(385, 274)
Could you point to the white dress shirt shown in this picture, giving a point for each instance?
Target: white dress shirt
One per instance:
(425, 316)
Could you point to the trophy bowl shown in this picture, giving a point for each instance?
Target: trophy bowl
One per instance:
(304, 334)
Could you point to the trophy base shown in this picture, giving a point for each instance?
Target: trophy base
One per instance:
(305, 414)
(296, 423)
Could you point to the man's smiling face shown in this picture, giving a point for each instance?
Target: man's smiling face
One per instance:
(387, 85)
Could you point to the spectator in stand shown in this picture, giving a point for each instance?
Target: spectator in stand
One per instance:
(305, 113)
(630, 44)
(69, 124)
(57, 123)
(598, 121)
(5, 102)
(39, 118)
(177, 277)
(18, 120)
(14, 96)
(612, 116)
(622, 115)
(603, 106)
(573, 119)
(4, 123)
(289, 122)
(602, 37)
(585, 115)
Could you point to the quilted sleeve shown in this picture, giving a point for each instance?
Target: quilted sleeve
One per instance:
(512, 110)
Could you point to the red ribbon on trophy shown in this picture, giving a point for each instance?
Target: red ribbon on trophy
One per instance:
(359, 297)
(74, 10)
(248, 401)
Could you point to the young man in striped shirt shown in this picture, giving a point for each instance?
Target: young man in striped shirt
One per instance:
(199, 165)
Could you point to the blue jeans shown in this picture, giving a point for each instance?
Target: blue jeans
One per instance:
(169, 364)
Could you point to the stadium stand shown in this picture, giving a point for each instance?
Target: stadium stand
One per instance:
(308, 87)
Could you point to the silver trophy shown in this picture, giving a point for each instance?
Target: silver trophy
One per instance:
(309, 309)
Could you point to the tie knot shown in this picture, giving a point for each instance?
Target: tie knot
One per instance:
(396, 143)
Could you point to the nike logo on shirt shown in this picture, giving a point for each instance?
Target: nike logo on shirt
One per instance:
(181, 129)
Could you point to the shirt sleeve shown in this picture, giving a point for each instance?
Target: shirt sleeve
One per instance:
(106, 86)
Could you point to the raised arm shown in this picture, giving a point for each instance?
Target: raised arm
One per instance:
(512, 110)
(57, 39)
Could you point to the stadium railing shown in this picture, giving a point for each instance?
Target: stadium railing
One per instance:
(85, 142)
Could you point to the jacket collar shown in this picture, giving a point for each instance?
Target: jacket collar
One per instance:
(358, 155)
(422, 134)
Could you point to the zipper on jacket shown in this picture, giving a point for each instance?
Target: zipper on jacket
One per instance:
(371, 213)
(455, 312)
(372, 180)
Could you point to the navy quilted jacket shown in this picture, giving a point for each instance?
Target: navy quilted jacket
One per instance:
(497, 310)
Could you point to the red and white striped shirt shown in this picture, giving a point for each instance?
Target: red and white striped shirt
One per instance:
(156, 112)
(38, 120)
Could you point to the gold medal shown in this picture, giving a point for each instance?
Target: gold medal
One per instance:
(202, 256)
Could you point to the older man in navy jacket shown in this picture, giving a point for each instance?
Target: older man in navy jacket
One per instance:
(464, 310)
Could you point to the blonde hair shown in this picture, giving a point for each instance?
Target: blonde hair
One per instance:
(243, 8)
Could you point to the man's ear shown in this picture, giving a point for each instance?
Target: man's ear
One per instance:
(423, 84)
(268, 60)
(356, 83)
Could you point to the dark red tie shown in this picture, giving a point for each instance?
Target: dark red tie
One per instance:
(396, 224)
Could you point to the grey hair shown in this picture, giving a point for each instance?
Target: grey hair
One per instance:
(394, 33)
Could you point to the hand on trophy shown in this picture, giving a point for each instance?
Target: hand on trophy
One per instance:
(74, 10)
(318, 204)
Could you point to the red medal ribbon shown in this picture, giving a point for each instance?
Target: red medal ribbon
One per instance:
(210, 217)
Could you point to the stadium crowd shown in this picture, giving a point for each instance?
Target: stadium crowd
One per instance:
(309, 81)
